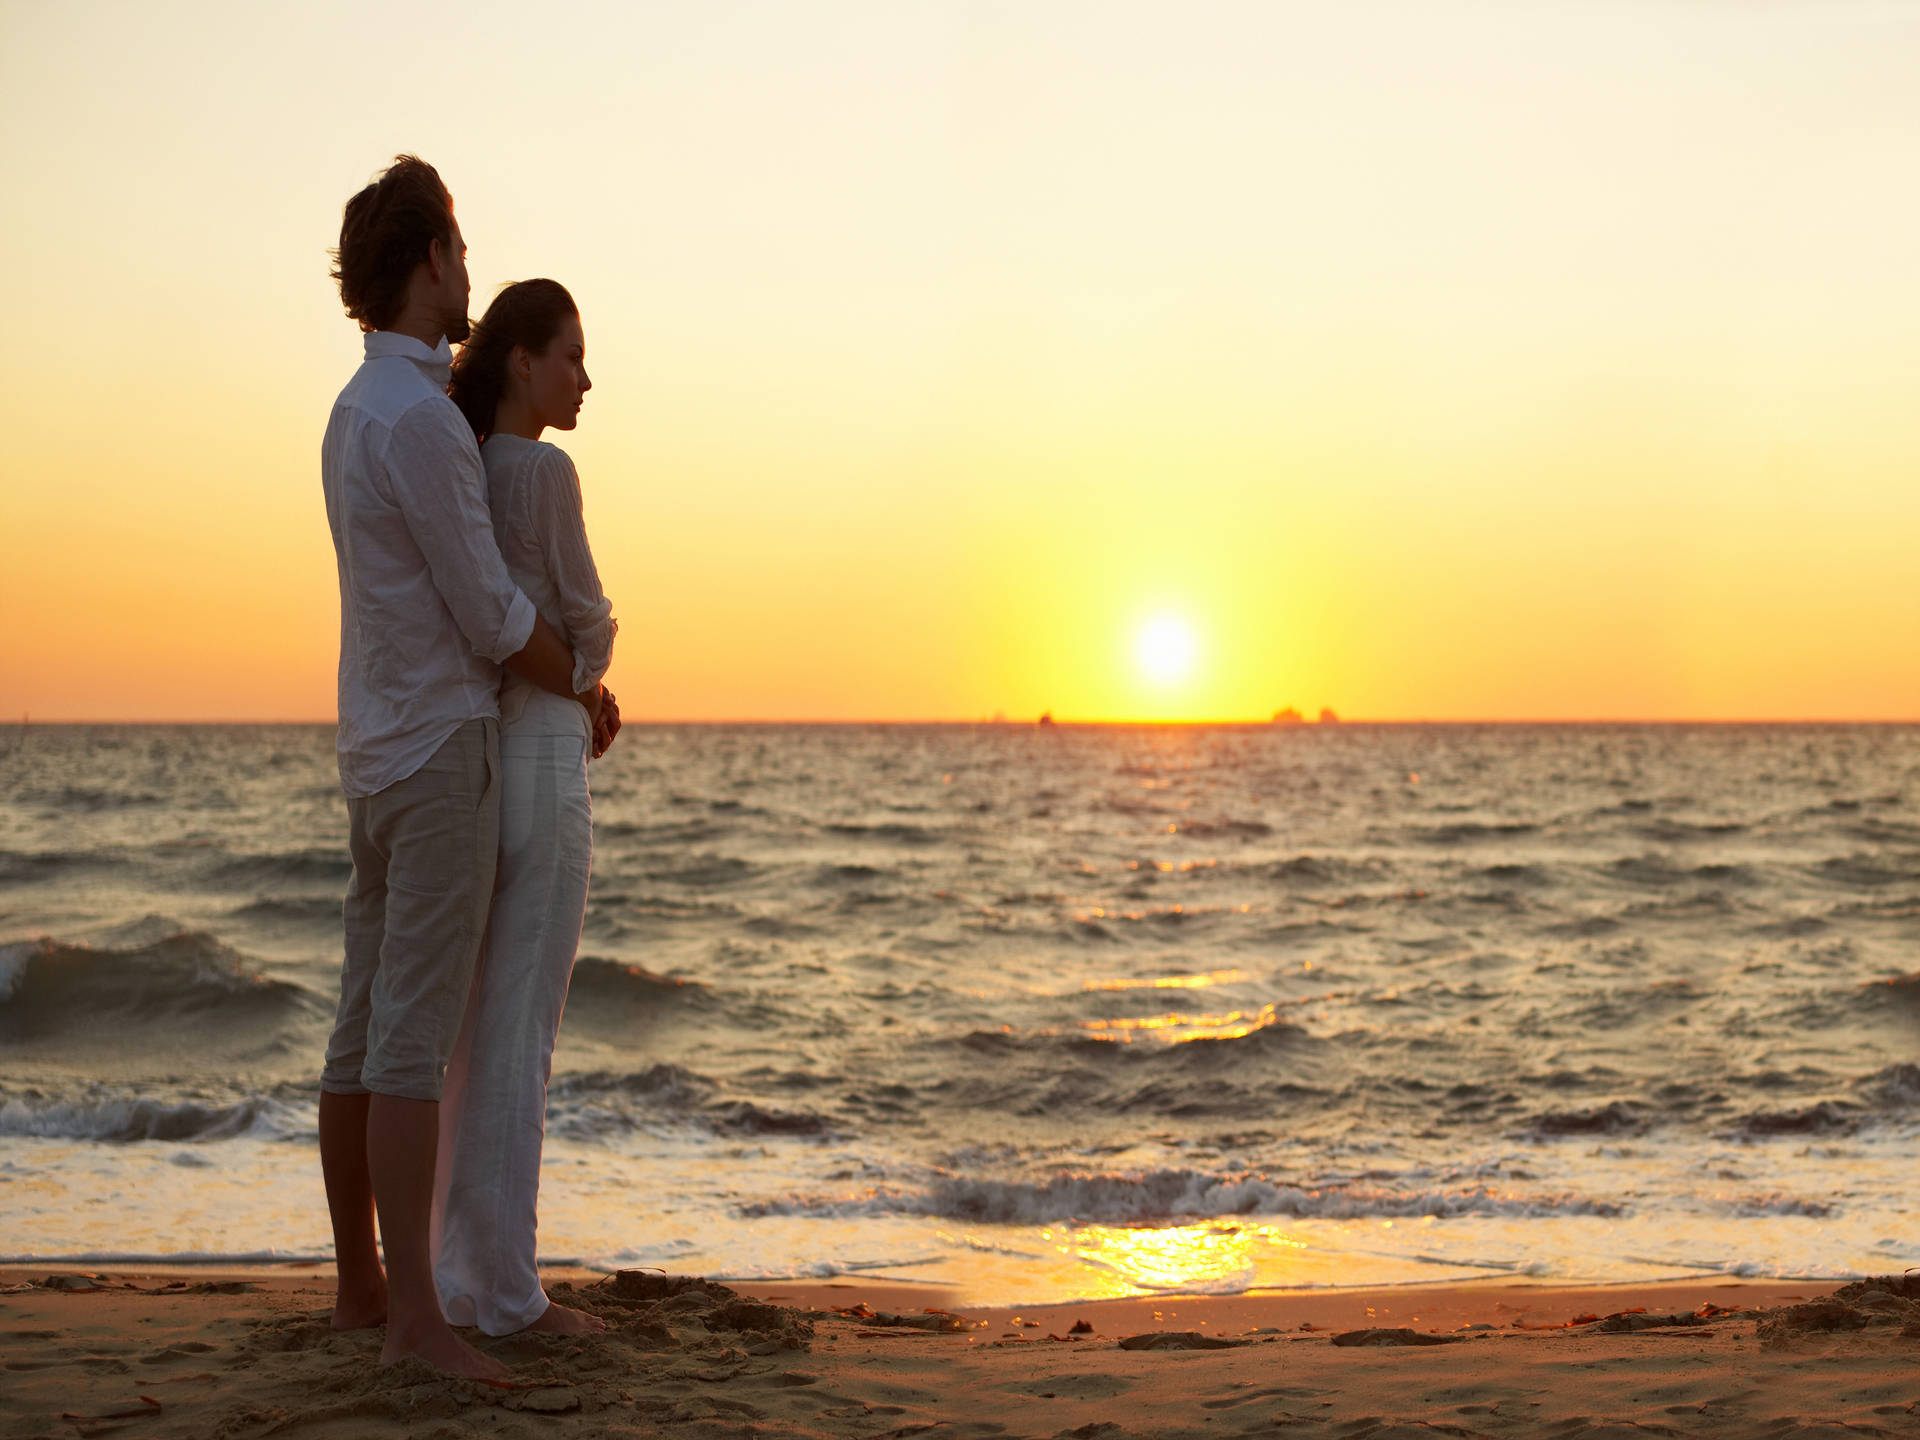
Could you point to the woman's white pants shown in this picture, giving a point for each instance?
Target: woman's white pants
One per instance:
(494, 1107)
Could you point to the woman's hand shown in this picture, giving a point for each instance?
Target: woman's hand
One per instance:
(607, 725)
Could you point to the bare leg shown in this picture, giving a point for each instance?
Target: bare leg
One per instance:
(565, 1320)
(402, 1136)
(362, 1298)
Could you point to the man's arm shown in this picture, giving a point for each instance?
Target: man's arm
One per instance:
(547, 661)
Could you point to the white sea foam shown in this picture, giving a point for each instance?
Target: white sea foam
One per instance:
(1169, 1195)
(824, 1269)
(13, 965)
(172, 1257)
(1783, 1205)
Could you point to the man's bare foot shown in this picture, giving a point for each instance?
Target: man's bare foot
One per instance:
(363, 1309)
(444, 1351)
(565, 1320)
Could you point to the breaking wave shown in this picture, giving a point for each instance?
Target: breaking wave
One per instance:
(601, 1105)
(1164, 1195)
(127, 1119)
(49, 989)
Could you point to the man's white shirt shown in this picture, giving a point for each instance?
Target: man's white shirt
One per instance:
(427, 609)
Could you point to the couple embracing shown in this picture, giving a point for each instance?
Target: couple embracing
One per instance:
(474, 637)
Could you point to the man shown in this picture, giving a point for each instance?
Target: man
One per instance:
(427, 617)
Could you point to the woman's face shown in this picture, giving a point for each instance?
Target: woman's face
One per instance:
(557, 380)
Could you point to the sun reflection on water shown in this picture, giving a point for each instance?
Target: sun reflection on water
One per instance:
(1176, 1029)
(1172, 982)
(1219, 1257)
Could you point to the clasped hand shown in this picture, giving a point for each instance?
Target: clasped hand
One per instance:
(606, 724)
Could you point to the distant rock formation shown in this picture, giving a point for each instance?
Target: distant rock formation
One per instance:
(1327, 717)
(1046, 717)
(1288, 716)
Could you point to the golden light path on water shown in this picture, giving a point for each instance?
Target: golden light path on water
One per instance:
(1211, 1256)
(1174, 1027)
(1172, 982)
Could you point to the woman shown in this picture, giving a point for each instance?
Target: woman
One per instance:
(524, 372)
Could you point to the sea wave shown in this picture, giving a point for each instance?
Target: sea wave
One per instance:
(285, 910)
(1658, 872)
(705, 872)
(1861, 872)
(662, 1084)
(48, 988)
(667, 833)
(178, 1257)
(1169, 1195)
(315, 865)
(32, 867)
(1328, 870)
(1471, 833)
(1531, 876)
(598, 983)
(1757, 1205)
(1225, 829)
(1895, 1087)
(1614, 1118)
(892, 833)
(1669, 832)
(91, 799)
(126, 1119)
(1827, 1117)
(601, 1105)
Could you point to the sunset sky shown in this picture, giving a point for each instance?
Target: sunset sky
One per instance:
(1448, 360)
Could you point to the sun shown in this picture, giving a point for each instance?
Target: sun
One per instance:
(1165, 649)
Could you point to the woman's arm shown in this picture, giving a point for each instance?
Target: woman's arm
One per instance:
(585, 611)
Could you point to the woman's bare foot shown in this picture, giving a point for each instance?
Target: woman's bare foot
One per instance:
(444, 1351)
(363, 1309)
(565, 1320)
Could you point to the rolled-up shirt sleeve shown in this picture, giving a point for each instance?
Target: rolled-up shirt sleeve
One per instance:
(559, 520)
(440, 489)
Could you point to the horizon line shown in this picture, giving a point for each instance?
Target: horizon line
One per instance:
(27, 722)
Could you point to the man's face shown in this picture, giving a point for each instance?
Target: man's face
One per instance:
(455, 288)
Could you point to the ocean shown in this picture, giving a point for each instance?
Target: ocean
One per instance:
(1038, 1013)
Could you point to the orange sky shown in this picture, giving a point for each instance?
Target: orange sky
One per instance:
(1424, 360)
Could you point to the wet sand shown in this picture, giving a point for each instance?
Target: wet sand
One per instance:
(239, 1355)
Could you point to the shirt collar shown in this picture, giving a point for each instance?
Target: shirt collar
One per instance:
(436, 360)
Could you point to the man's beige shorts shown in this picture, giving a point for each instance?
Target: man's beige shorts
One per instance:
(424, 851)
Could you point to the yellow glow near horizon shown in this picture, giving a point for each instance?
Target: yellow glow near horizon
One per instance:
(1435, 359)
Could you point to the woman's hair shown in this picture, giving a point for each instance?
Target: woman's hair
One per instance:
(528, 313)
(384, 234)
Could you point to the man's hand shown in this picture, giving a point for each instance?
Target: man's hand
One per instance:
(608, 725)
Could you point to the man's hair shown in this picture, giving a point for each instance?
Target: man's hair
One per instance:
(384, 234)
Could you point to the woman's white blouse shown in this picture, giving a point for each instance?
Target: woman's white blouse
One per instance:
(534, 493)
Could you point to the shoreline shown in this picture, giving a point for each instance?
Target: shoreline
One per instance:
(241, 1352)
(1440, 1305)
(1436, 1300)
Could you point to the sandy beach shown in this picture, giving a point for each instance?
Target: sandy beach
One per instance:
(193, 1354)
